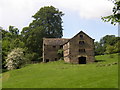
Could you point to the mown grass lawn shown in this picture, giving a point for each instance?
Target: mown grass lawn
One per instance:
(0, 81)
(61, 75)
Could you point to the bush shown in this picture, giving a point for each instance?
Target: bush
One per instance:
(109, 49)
(15, 59)
(60, 53)
(29, 58)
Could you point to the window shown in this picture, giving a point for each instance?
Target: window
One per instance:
(55, 59)
(61, 46)
(81, 36)
(54, 46)
(82, 50)
(47, 60)
(81, 42)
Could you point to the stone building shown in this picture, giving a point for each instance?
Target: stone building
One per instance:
(51, 47)
(79, 49)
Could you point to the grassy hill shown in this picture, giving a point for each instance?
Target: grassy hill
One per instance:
(101, 74)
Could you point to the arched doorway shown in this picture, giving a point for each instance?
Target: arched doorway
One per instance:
(82, 60)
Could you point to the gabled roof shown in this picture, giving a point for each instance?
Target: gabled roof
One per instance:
(54, 41)
(80, 33)
(60, 41)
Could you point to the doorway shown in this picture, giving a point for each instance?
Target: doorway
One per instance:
(47, 60)
(82, 60)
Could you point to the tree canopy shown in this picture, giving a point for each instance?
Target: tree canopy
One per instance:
(115, 17)
(10, 40)
(107, 45)
(47, 23)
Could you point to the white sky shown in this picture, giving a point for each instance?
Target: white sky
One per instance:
(19, 12)
(79, 15)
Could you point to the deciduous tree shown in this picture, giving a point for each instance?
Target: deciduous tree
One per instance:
(47, 23)
(115, 17)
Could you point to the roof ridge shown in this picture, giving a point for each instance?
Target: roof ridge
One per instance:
(55, 38)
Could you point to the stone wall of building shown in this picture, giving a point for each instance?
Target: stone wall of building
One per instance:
(66, 52)
(50, 53)
(78, 49)
(51, 47)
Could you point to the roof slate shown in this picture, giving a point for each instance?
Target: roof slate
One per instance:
(60, 41)
(54, 41)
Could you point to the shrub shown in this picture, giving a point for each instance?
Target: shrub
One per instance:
(31, 57)
(15, 59)
(60, 54)
(109, 49)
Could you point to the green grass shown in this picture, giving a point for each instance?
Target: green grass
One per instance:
(61, 75)
(0, 81)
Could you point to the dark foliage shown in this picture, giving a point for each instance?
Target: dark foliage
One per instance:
(47, 23)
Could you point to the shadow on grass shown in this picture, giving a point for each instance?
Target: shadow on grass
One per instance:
(3, 70)
(99, 60)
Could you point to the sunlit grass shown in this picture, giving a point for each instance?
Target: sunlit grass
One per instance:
(59, 74)
(0, 81)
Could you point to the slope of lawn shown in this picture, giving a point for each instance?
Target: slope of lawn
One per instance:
(0, 81)
(62, 75)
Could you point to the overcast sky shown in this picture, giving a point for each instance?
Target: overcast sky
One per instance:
(79, 15)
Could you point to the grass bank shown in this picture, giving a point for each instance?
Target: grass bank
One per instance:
(61, 75)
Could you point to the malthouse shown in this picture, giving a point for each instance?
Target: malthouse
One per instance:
(78, 50)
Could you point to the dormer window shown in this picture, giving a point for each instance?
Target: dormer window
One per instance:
(81, 42)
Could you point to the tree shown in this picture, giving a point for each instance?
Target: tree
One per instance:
(10, 40)
(50, 18)
(99, 50)
(47, 23)
(5, 45)
(0, 49)
(109, 49)
(107, 45)
(117, 47)
(17, 43)
(14, 31)
(115, 17)
(15, 59)
(108, 39)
